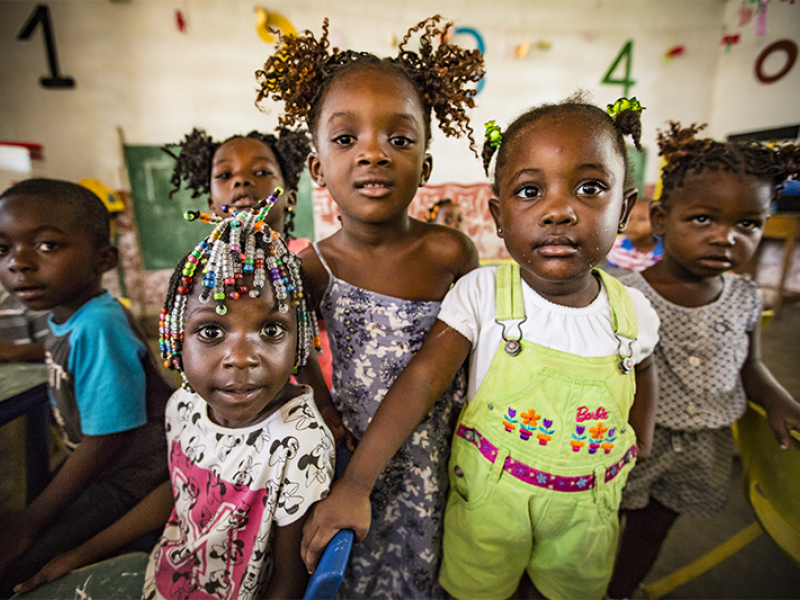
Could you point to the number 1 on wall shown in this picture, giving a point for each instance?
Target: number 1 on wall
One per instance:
(41, 15)
(626, 54)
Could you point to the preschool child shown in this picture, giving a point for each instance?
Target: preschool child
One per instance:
(107, 394)
(446, 212)
(238, 172)
(561, 383)
(248, 451)
(711, 215)
(379, 280)
(637, 248)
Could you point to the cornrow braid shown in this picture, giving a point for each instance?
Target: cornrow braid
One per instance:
(627, 122)
(684, 154)
(242, 244)
(302, 69)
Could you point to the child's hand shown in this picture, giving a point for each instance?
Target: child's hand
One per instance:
(16, 540)
(346, 507)
(782, 417)
(56, 568)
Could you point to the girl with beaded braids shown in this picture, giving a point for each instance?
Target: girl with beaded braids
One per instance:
(711, 214)
(245, 444)
(561, 388)
(380, 279)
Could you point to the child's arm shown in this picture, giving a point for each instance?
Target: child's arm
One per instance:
(643, 412)
(151, 513)
(79, 470)
(762, 387)
(289, 577)
(408, 401)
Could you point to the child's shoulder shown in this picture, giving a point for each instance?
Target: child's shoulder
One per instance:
(448, 246)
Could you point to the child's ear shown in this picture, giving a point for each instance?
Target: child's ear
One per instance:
(291, 200)
(427, 169)
(628, 202)
(107, 258)
(315, 169)
(494, 209)
(658, 218)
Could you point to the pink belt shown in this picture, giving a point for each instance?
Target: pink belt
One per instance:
(539, 478)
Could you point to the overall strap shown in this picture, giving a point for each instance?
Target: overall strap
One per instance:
(622, 312)
(508, 293)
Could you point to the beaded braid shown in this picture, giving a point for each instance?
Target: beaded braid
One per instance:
(302, 69)
(224, 264)
(196, 154)
(430, 216)
(626, 122)
(686, 154)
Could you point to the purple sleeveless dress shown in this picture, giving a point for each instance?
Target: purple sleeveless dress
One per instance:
(372, 339)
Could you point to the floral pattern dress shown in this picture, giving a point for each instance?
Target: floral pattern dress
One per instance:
(372, 338)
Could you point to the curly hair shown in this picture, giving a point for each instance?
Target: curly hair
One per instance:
(627, 122)
(303, 68)
(684, 154)
(193, 161)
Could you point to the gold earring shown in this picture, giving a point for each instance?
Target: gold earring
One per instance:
(622, 227)
(499, 231)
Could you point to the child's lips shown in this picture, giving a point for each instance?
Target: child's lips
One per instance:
(28, 292)
(374, 189)
(557, 247)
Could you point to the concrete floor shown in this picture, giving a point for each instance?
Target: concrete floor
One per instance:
(760, 569)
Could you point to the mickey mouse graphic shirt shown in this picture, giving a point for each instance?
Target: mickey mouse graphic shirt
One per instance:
(232, 487)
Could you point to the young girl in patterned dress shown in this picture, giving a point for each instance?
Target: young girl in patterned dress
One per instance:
(711, 215)
(379, 280)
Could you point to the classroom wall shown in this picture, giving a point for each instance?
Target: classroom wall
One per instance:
(140, 79)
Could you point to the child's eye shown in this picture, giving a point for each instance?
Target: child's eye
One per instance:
(210, 333)
(590, 188)
(401, 140)
(3, 249)
(344, 140)
(272, 330)
(263, 173)
(702, 219)
(47, 246)
(750, 225)
(528, 191)
(225, 175)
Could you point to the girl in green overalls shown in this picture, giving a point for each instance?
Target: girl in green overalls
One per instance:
(561, 384)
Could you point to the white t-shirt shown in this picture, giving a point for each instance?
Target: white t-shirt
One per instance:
(469, 308)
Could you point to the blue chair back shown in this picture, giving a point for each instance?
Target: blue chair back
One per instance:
(325, 581)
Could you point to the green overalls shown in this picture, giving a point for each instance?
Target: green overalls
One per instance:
(538, 462)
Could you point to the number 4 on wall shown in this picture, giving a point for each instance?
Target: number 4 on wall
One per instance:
(625, 54)
(41, 15)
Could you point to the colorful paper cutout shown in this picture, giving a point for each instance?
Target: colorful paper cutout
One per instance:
(272, 20)
(673, 52)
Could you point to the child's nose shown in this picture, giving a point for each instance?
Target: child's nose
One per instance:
(372, 153)
(240, 354)
(724, 236)
(20, 261)
(556, 211)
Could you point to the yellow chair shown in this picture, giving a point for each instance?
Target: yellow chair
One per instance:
(771, 479)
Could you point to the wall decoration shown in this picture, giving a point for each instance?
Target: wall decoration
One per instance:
(730, 40)
(41, 16)
(180, 20)
(673, 52)
(272, 20)
(481, 45)
(626, 54)
(522, 50)
(787, 46)
(544, 44)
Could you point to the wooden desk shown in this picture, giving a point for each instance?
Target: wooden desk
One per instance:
(786, 227)
(23, 391)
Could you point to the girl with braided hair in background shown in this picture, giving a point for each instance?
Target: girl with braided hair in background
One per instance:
(711, 215)
(380, 279)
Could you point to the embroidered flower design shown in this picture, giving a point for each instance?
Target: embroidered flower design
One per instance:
(510, 420)
(530, 417)
(598, 432)
(582, 483)
(541, 478)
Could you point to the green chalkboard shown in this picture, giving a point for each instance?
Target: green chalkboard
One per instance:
(164, 235)
(638, 162)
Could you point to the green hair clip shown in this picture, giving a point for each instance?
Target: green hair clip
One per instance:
(623, 104)
(493, 134)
